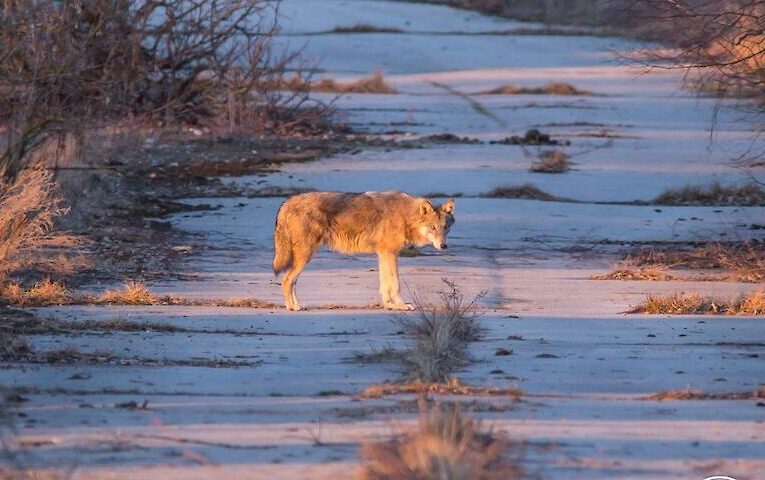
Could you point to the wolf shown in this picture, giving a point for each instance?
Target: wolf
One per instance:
(371, 222)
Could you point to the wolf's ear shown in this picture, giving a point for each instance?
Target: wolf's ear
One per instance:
(426, 207)
(448, 206)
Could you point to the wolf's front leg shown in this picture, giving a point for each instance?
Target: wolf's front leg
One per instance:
(389, 284)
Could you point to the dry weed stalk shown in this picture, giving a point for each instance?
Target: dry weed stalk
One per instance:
(132, 293)
(441, 330)
(445, 445)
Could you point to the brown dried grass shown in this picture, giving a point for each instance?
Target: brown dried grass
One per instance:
(526, 191)
(132, 293)
(656, 273)
(551, 161)
(554, 88)
(749, 194)
(692, 303)
(374, 83)
(451, 387)
(744, 260)
(28, 206)
(446, 445)
(43, 293)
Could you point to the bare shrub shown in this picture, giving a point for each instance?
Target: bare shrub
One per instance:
(441, 329)
(549, 89)
(445, 445)
(551, 161)
(66, 62)
(749, 194)
(691, 303)
(525, 191)
(28, 206)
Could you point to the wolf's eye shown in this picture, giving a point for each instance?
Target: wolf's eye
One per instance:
(433, 227)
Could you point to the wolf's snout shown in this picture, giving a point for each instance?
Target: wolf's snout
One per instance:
(443, 246)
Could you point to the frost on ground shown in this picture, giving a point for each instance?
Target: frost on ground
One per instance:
(205, 391)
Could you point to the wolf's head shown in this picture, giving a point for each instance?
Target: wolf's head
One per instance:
(433, 223)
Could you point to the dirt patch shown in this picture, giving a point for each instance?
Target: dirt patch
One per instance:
(549, 89)
(691, 303)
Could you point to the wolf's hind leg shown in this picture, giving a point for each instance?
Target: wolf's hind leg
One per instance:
(300, 259)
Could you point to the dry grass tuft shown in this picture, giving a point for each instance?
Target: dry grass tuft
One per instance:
(656, 273)
(132, 293)
(749, 194)
(72, 354)
(45, 292)
(374, 83)
(745, 260)
(441, 330)
(452, 387)
(28, 206)
(525, 191)
(693, 394)
(691, 303)
(365, 28)
(551, 161)
(549, 89)
(446, 445)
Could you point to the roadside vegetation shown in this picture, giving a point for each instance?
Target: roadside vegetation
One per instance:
(75, 73)
(549, 89)
(692, 303)
(374, 83)
(526, 191)
(732, 261)
(750, 194)
(551, 161)
(445, 444)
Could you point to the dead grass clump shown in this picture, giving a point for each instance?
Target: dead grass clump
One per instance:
(554, 88)
(132, 293)
(745, 260)
(365, 28)
(682, 304)
(452, 387)
(13, 346)
(551, 161)
(525, 191)
(749, 194)
(45, 292)
(446, 445)
(655, 273)
(28, 206)
(693, 394)
(72, 354)
(441, 331)
(372, 84)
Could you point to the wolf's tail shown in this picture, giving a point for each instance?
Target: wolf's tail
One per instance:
(282, 246)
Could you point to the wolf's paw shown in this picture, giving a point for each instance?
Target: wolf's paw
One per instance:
(403, 307)
(295, 308)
